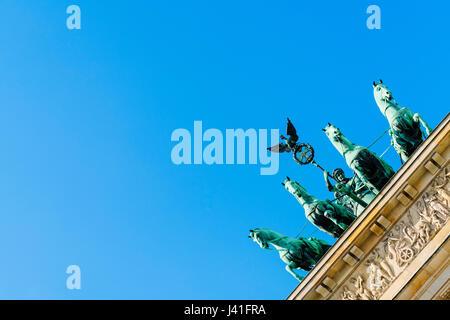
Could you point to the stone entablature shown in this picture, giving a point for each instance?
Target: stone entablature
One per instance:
(383, 255)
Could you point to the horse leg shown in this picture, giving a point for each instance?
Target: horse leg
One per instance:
(366, 182)
(387, 168)
(289, 269)
(403, 156)
(332, 216)
(417, 117)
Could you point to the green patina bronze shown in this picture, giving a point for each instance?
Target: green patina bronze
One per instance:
(373, 171)
(352, 195)
(302, 153)
(349, 192)
(329, 217)
(299, 253)
(405, 131)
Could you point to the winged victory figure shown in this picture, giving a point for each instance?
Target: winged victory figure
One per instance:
(291, 142)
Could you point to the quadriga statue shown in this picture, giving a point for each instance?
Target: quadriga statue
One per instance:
(329, 217)
(299, 253)
(373, 171)
(405, 129)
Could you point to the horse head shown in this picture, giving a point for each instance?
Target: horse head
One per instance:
(333, 132)
(381, 93)
(294, 187)
(260, 236)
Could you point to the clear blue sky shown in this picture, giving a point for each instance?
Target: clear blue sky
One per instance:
(86, 118)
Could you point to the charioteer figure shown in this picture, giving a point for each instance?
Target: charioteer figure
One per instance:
(349, 192)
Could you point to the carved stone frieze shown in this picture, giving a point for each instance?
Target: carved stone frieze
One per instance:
(402, 243)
